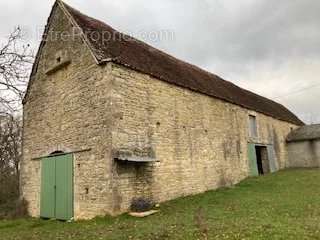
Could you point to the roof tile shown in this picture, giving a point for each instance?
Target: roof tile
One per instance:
(110, 45)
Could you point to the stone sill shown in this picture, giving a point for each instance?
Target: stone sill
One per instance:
(136, 159)
(58, 67)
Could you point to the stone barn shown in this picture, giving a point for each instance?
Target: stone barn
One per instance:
(304, 146)
(108, 118)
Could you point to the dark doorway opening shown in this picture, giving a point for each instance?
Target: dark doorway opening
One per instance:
(262, 160)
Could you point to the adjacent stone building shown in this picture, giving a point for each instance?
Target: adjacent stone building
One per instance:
(108, 118)
(304, 147)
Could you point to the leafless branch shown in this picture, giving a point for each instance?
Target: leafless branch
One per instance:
(10, 155)
(15, 63)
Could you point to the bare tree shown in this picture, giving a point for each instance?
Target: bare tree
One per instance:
(15, 63)
(10, 156)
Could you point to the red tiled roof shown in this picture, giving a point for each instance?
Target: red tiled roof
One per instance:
(132, 53)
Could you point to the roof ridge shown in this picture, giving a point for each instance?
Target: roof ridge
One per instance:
(117, 51)
(143, 57)
(159, 50)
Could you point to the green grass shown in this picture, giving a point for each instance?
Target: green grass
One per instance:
(285, 205)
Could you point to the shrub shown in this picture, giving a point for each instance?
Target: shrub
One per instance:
(14, 209)
(9, 188)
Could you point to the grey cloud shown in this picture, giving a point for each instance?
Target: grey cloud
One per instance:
(268, 46)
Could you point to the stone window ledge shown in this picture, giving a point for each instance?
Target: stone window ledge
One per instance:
(57, 67)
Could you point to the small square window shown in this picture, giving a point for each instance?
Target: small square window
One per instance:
(253, 126)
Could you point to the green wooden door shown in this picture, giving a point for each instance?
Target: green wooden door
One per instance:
(57, 187)
(252, 157)
(272, 160)
(64, 187)
(48, 178)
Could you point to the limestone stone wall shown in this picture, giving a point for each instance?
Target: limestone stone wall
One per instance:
(304, 154)
(69, 110)
(200, 143)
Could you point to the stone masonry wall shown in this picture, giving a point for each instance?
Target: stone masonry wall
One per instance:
(304, 154)
(200, 143)
(69, 110)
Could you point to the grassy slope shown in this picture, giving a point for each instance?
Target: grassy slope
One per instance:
(285, 205)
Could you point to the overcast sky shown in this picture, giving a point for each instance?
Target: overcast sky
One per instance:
(271, 47)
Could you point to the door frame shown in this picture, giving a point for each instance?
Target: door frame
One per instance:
(252, 158)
